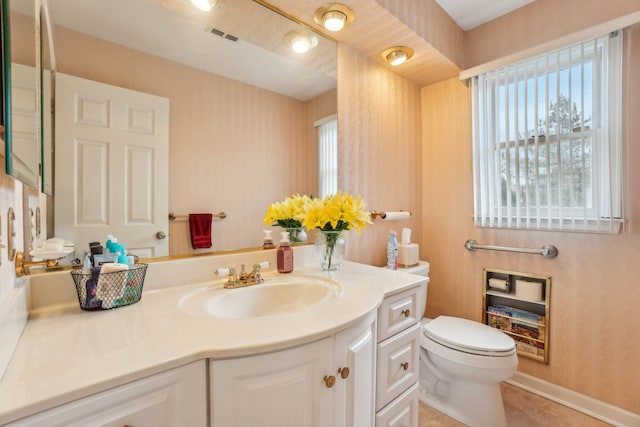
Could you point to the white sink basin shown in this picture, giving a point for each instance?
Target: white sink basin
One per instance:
(276, 296)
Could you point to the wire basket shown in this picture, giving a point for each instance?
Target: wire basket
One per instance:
(104, 290)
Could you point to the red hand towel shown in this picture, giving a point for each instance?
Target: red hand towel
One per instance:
(200, 227)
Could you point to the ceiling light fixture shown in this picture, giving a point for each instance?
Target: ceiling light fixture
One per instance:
(334, 16)
(397, 55)
(204, 5)
(300, 41)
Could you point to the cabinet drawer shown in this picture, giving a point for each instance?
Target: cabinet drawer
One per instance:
(397, 313)
(397, 367)
(402, 412)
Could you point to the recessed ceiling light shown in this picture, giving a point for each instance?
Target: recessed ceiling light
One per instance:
(300, 41)
(397, 55)
(334, 16)
(204, 5)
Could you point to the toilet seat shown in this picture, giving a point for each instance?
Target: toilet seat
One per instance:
(469, 337)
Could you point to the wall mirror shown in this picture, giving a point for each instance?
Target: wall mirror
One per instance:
(242, 104)
(22, 142)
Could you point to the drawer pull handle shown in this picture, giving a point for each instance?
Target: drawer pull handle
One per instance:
(406, 312)
(329, 381)
(405, 366)
(344, 372)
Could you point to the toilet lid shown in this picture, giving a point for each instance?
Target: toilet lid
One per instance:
(469, 336)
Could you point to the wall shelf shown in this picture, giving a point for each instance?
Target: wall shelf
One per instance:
(523, 313)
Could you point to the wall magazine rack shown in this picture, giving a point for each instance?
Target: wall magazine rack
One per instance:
(518, 304)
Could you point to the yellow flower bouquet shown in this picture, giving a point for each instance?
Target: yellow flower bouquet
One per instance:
(332, 215)
(288, 214)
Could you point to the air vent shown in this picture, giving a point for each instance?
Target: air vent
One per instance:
(222, 34)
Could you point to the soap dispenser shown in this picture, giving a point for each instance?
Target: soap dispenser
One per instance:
(268, 240)
(285, 254)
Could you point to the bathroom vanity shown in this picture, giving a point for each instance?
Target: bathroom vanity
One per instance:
(344, 358)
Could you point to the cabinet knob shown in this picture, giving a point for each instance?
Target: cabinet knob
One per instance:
(406, 312)
(405, 366)
(344, 372)
(329, 381)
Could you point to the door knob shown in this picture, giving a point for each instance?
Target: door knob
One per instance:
(161, 235)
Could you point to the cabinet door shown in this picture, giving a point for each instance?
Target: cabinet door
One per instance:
(173, 398)
(355, 351)
(280, 389)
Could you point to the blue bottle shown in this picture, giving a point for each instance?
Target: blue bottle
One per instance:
(392, 251)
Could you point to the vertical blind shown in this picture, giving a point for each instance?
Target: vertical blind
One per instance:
(328, 156)
(547, 140)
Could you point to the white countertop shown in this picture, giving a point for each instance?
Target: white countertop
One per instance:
(75, 353)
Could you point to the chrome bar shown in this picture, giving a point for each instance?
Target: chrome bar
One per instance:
(547, 251)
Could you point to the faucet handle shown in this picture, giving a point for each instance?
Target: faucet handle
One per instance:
(233, 277)
(256, 276)
(221, 271)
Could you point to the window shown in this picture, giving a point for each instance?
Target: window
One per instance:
(328, 156)
(547, 140)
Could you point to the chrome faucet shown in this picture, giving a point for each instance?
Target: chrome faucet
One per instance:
(243, 279)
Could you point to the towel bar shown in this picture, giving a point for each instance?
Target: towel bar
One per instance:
(174, 217)
(547, 251)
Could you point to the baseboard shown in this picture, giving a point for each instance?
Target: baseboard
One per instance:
(580, 402)
(14, 313)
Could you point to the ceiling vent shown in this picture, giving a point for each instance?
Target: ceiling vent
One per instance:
(221, 34)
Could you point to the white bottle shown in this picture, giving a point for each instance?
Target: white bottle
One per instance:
(392, 251)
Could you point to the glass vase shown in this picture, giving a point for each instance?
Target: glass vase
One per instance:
(296, 235)
(329, 249)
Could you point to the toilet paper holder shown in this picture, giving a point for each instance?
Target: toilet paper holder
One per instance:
(390, 215)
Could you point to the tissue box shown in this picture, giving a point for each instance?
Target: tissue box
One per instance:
(408, 255)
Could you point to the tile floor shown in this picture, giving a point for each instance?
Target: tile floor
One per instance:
(523, 409)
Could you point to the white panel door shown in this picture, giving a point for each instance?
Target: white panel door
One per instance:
(281, 389)
(111, 158)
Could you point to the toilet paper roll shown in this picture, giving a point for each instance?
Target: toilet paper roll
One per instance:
(499, 284)
(529, 291)
(392, 216)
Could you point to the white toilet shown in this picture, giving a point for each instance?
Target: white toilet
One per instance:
(462, 363)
